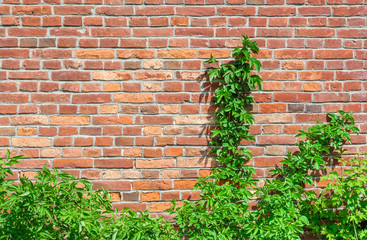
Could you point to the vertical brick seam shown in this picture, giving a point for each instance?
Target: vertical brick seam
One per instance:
(114, 91)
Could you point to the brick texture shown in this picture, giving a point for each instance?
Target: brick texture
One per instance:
(115, 91)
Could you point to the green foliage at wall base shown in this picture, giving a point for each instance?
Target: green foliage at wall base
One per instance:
(57, 206)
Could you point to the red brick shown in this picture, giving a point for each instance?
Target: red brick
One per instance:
(184, 184)
(91, 98)
(315, 10)
(352, 33)
(10, 64)
(157, 184)
(292, 97)
(27, 142)
(315, 32)
(32, 10)
(73, 10)
(290, 53)
(153, 32)
(164, 163)
(72, 163)
(243, 11)
(70, 76)
(269, 32)
(113, 163)
(334, 54)
(107, 32)
(27, 32)
(115, 11)
(150, 196)
(349, 11)
(195, 11)
(152, 10)
(319, 75)
(277, 11)
(28, 86)
(69, 120)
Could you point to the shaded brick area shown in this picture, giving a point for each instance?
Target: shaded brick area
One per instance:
(115, 91)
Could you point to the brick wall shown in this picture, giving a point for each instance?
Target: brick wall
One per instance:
(114, 91)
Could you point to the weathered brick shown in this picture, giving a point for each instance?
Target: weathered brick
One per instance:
(113, 163)
(73, 10)
(73, 163)
(70, 76)
(95, 53)
(157, 184)
(156, 75)
(30, 142)
(112, 120)
(164, 163)
(69, 120)
(153, 10)
(108, 75)
(277, 11)
(115, 11)
(32, 10)
(334, 54)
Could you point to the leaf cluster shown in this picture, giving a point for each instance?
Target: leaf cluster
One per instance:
(57, 206)
(340, 212)
(285, 208)
(222, 212)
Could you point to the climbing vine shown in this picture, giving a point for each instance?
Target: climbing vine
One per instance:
(222, 212)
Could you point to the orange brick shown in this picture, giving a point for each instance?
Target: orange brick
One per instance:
(73, 163)
(66, 120)
(94, 53)
(31, 142)
(149, 196)
(164, 163)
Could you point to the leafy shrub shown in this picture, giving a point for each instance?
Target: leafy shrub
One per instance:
(57, 206)
(132, 225)
(285, 207)
(340, 212)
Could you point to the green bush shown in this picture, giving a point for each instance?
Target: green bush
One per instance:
(57, 206)
(340, 212)
(285, 208)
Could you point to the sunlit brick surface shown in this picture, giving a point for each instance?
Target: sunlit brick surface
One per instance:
(115, 92)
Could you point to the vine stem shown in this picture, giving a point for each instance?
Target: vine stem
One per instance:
(355, 231)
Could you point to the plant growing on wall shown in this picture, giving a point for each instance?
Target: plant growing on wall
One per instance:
(222, 212)
(286, 207)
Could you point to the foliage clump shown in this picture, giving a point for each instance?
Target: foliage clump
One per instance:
(57, 206)
(223, 212)
(285, 208)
